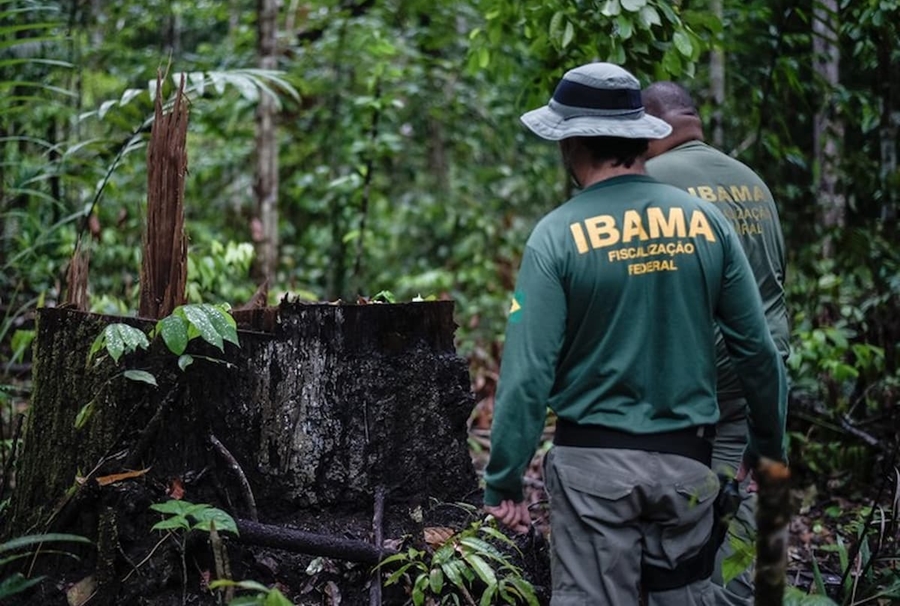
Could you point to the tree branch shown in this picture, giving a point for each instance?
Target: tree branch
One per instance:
(298, 541)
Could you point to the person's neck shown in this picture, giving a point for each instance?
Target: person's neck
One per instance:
(685, 134)
(601, 172)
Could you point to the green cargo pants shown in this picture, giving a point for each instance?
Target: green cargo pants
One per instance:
(611, 510)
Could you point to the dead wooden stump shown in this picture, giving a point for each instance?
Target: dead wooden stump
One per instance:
(312, 419)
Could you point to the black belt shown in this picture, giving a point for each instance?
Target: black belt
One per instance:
(693, 442)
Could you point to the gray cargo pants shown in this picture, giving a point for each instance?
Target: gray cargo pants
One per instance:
(611, 509)
(728, 450)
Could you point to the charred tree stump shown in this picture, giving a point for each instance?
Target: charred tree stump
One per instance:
(315, 415)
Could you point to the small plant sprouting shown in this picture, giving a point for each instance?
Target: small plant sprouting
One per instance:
(459, 568)
(183, 515)
(261, 595)
(118, 339)
(210, 322)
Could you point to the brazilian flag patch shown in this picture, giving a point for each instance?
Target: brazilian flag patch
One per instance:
(515, 307)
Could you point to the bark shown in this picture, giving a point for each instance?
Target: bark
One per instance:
(890, 121)
(316, 417)
(164, 263)
(773, 517)
(267, 145)
(717, 81)
(828, 129)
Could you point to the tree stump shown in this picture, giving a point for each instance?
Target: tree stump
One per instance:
(321, 407)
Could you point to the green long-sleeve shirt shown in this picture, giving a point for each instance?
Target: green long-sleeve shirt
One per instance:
(612, 324)
(744, 199)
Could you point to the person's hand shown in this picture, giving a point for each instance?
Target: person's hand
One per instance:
(742, 474)
(514, 516)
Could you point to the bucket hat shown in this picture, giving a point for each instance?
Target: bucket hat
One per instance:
(595, 100)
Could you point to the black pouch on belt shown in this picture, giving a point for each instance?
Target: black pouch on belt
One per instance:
(701, 565)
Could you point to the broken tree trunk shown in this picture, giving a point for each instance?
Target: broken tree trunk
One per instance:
(302, 424)
(164, 262)
(773, 518)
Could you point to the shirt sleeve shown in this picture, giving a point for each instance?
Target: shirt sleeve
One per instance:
(534, 335)
(752, 349)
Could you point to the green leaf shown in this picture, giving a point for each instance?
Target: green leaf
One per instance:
(178, 507)
(436, 580)
(556, 25)
(132, 337)
(141, 376)
(248, 585)
(633, 5)
(671, 62)
(496, 534)
(650, 17)
(611, 8)
(418, 592)
(184, 361)
(223, 521)
(174, 332)
(568, 34)
(452, 570)
(398, 574)
(481, 568)
(385, 296)
(173, 523)
(96, 346)
(482, 548)
(488, 596)
(84, 415)
(222, 322)
(525, 589)
(670, 14)
(740, 558)
(114, 343)
(625, 27)
(40, 539)
(796, 597)
(17, 583)
(617, 52)
(276, 598)
(683, 43)
(484, 57)
(198, 318)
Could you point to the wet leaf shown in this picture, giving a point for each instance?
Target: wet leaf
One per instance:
(173, 330)
(141, 376)
(199, 319)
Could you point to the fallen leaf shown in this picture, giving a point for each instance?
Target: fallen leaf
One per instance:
(437, 535)
(118, 477)
(332, 591)
(82, 591)
(175, 489)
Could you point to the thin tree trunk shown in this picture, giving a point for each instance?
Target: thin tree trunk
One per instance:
(828, 130)
(267, 146)
(717, 81)
(890, 120)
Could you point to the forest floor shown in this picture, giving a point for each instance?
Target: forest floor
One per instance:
(829, 514)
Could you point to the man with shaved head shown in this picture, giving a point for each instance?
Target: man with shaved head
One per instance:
(684, 160)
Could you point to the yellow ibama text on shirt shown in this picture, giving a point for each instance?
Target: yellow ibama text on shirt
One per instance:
(732, 193)
(603, 230)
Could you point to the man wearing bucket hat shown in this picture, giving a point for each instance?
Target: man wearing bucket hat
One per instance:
(611, 326)
(685, 161)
